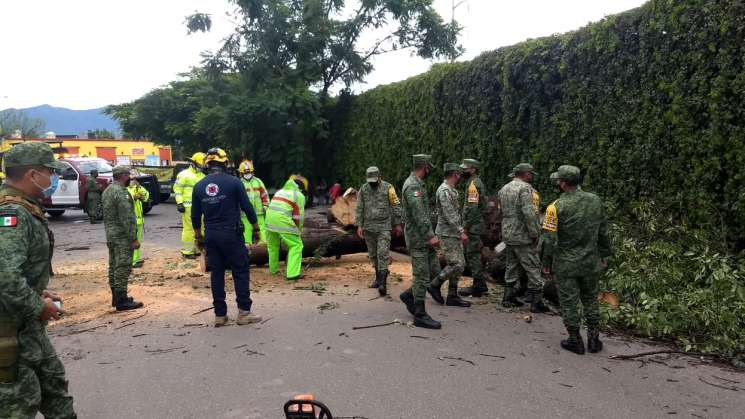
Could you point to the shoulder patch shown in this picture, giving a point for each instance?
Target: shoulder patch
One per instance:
(473, 193)
(8, 220)
(392, 197)
(551, 222)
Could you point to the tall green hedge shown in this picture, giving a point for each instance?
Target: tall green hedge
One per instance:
(649, 103)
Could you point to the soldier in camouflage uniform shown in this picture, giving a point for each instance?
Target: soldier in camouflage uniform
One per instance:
(421, 241)
(576, 249)
(378, 208)
(121, 237)
(520, 203)
(93, 198)
(474, 222)
(452, 235)
(32, 378)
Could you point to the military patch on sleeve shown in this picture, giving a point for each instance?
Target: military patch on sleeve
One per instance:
(551, 222)
(473, 194)
(536, 201)
(8, 221)
(417, 194)
(392, 197)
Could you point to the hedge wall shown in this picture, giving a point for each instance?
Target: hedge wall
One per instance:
(649, 103)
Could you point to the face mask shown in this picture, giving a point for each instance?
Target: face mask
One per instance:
(373, 184)
(248, 176)
(426, 173)
(127, 183)
(53, 184)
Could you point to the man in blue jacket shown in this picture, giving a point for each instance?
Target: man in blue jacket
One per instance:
(220, 198)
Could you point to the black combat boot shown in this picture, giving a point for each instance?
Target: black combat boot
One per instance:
(454, 300)
(125, 303)
(574, 343)
(115, 298)
(383, 288)
(478, 289)
(436, 294)
(376, 281)
(536, 302)
(422, 319)
(510, 297)
(594, 344)
(407, 297)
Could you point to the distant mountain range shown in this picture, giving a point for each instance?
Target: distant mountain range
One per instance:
(69, 121)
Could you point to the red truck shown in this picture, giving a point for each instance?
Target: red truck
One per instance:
(73, 181)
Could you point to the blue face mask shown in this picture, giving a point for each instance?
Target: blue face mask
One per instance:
(53, 184)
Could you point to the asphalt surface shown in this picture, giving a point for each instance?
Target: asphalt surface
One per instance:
(485, 362)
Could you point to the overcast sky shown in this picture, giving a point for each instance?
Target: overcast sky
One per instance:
(84, 54)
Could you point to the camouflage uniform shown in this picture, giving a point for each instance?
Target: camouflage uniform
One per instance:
(425, 265)
(378, 209)
(32, 378)
(121, 231)
(474, 216)
(575, 234)
(519, 204)
(93, 200)
(449, 229)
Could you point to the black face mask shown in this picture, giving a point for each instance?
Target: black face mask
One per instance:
(426, 173)
(465, 175)
(127, 182)
(373, 184)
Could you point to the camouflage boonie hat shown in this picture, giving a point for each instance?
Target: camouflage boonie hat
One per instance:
(451, 167)
(372, 174)
(470, 164)
(521, 168)
(31, 154)
(121, 170)
(568, 173)
(418, 159)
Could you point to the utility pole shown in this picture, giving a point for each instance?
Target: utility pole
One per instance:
(454, 4)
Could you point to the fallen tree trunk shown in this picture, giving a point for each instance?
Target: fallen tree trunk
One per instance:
(321, 242)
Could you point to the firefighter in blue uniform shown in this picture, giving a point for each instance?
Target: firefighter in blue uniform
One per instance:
(220, 198)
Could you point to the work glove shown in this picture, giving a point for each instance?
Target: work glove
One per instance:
(180, 208)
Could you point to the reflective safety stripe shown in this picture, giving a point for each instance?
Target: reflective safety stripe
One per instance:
(295, 209)
(285, 211)
(281, 229)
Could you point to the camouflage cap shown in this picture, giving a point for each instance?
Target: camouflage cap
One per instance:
(31, 154)
(522, 168)
(470, 164)
(372, 174)
(554, 178)
(568, 173)
(121, 170)
(418, 159)
(451, 167)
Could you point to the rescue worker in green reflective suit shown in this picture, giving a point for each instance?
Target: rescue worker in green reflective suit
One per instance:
(139, 195)
(284, 225)
(32, 377)
(182, 189)
(257, 197)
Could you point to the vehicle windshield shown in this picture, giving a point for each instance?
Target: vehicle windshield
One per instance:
(99, 165)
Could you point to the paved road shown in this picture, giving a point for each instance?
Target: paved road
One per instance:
(484, 363)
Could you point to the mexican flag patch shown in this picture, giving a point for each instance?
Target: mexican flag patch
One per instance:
(8, 221)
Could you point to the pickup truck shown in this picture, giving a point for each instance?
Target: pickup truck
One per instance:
(74, 179)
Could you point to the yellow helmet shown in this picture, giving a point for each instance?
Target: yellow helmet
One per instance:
(300, 178)
(246, 166)
(216, 155)
(198, 158)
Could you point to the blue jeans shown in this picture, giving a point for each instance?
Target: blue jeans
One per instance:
(227, 250)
